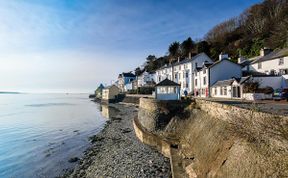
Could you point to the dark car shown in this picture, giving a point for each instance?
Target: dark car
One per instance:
(280, 94)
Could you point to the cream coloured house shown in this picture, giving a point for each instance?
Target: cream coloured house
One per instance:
(110, 93)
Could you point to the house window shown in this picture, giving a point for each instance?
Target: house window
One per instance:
(221, 91)
(204, 80)
(204, 71)
(183, 74)
(179, 76)
(215, 91)
(272, 72)
(187, 85)
(159, 79)
(187, 74)
(283, 71)
(176, 76)
(260, 65)
(195, 82)
(225, 90)
(281, 61)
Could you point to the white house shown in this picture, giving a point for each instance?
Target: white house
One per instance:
(182, 72)
(167, 90)
(124, 79)
(274, 63)
(207, 75)
(145, 79)
(163, 73)
(231, 88)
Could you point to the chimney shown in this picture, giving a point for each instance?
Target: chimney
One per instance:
(264, 51)
(241, 59)
(223, 56)
(189, 55)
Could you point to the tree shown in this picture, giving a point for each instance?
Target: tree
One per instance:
(174, 51)
(202, 46)
(151, 58)
(187, 47)
(138, 71)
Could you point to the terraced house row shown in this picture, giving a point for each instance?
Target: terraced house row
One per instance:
(202, 77)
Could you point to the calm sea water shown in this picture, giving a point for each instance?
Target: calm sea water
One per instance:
(39, 133)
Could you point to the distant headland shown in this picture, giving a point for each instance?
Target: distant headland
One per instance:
(9, 92)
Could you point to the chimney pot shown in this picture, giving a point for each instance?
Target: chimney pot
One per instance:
(264, 51)
(189, 56)
(223, 56)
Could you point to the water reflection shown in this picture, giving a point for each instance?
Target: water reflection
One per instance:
(108, 111)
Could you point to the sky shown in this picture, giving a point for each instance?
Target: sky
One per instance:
(74, 45)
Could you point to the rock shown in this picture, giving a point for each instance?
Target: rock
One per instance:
(116, 118)
(73, 160)
(126, 130)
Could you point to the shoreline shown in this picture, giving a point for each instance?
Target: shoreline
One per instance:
(116, 151)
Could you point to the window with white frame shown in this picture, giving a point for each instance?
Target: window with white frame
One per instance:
(215, 90)
(195, 82)
(281, 61)
(221, 91)
(204, 81)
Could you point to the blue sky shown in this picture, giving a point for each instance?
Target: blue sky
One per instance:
(73, 45)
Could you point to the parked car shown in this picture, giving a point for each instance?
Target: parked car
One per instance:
(280, 94)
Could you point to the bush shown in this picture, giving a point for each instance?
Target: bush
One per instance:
(145, 90)
(267, 90)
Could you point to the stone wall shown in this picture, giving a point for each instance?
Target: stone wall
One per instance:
(154, 115)
(217, 140)
(151, 139)
(220, 140)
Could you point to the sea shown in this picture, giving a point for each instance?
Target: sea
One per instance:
(40, 133)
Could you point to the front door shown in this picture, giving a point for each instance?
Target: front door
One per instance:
(238, 92)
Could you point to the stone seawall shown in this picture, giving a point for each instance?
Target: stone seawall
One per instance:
(151, 139)
(218, 140)
(154, 115)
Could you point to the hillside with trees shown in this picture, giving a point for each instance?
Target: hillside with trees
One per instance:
(262, 25)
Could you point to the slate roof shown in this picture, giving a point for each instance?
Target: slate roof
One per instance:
(272, 55)
(230, 81)
(167, 82)
(182, 62)
(219, 61)
(129, 74)
(210, 65)
(223, 83)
